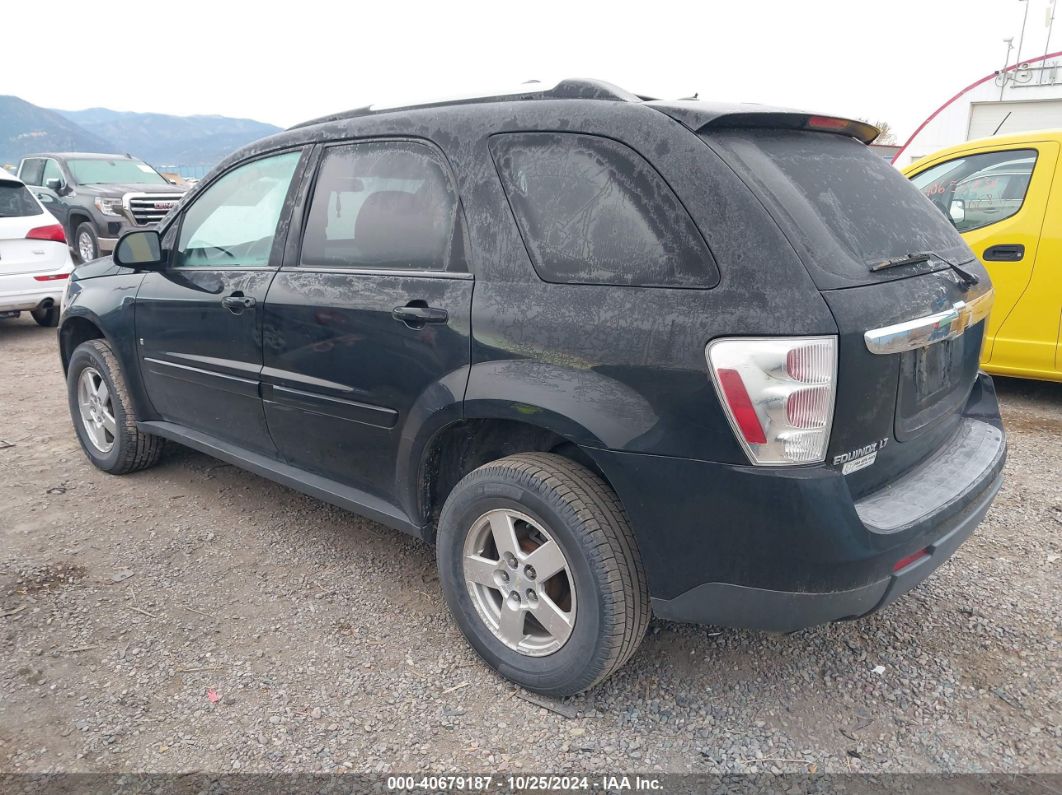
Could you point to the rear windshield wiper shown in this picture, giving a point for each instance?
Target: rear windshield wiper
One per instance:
(915, 259)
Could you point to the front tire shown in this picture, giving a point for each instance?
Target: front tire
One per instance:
(86, 242)
(540, 569)
(102, 412)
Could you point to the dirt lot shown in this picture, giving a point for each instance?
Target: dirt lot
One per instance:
(197, 617)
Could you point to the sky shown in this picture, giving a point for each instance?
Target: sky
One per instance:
(285, 62)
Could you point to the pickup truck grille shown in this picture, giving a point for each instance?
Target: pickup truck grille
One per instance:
(148, 208)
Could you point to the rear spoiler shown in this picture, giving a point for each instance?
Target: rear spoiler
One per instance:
(703, 116)
(859, 130)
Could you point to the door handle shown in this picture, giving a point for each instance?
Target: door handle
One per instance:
(1005, 252)
(416, 314)
(237, 302)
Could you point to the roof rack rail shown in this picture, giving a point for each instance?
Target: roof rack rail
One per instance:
(571, 88)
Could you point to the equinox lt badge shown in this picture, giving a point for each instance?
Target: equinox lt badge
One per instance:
(861, 458)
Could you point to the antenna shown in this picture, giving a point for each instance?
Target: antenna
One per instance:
(1021, 39)
(1050, 21)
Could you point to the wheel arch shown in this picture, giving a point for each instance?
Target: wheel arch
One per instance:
(508, 407)
(465, 444)
(75, 329)
(77, 217)
(80, 324)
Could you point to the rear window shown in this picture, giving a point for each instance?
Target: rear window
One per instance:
(593, 211)
(16, 201)
(841, 204)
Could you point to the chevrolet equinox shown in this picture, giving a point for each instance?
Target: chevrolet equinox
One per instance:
(613, 356)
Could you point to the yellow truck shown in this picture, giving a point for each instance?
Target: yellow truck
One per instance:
(1005, 199)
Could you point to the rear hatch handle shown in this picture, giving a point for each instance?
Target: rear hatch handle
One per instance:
(939, 326)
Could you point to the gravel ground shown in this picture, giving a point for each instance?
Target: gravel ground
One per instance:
(197, 617)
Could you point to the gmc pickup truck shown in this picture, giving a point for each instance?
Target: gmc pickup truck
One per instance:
(98, 197)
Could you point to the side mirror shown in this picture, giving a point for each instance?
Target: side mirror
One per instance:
(957, 211)
(139, 249)
(53, 184)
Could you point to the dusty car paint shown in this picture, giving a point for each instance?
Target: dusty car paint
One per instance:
(353, 401)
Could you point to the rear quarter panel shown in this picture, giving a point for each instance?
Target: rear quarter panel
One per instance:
(624, 368)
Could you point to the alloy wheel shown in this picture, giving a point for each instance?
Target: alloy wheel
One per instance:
(97, 409)
(86, 249)
(520, 582)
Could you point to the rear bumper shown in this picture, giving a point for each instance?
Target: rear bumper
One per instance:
(782, 549)
(724, 604)
(27, 300)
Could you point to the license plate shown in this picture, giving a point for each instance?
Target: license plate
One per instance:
(936, 367)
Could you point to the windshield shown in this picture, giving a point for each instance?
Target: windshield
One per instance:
(842, 204)
(118, 171)
(16, 201)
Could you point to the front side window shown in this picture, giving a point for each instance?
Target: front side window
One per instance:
(51, 171)
(31, 171)
(117, 171)
(381, 204)
(978, 190)
(233, 222)
(593, 211)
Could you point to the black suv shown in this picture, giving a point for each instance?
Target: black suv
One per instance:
(612, 355)
(98, 197)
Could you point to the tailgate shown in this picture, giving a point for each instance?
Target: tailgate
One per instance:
(907, 293)
(908, 359)
(30, 256)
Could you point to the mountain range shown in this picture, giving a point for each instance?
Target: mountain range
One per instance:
(158, 138)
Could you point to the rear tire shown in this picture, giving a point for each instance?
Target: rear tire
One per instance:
(539, 499)
(86, 242)
(102, 412)
(49, 317)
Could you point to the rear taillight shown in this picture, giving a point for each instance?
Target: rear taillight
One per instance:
(53, 232)
(778, 395)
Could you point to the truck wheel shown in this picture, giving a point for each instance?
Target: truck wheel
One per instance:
(540, 569)
(47, 317)
(103, 412)
(86, 242)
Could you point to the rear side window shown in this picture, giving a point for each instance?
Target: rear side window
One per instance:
(979, 190)
(381, 205)
(845, 207)
(16, 201)
(31, 171)
(593, 211)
